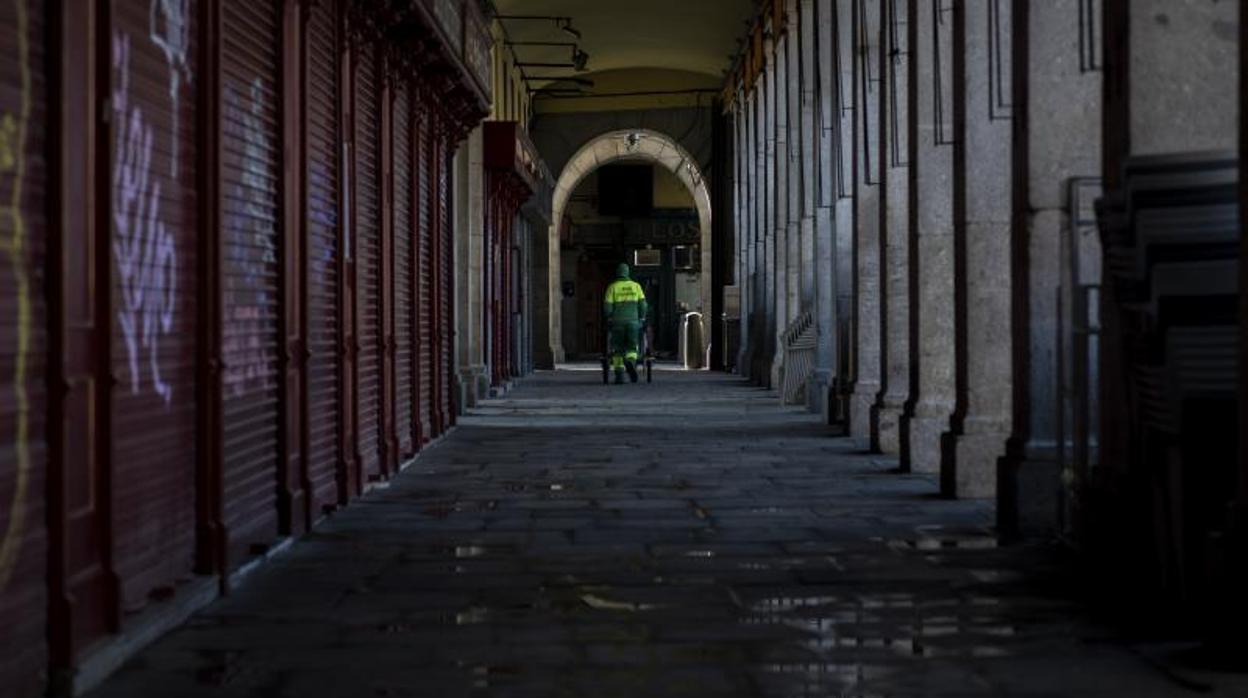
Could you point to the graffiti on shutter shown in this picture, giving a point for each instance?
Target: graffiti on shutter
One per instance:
(250, 274)
(323, 259)
(155, 301)
(23, 231)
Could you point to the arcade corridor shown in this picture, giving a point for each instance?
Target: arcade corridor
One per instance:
(685, 538)
(292, 296)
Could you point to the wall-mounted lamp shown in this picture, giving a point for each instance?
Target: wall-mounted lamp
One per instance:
(579, 58)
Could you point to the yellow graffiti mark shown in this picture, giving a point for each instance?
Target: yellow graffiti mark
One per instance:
(13, 160)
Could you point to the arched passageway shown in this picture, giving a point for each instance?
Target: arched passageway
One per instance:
(272, 301)
(641, 145)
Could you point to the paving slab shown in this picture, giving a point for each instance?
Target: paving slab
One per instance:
(689, 537)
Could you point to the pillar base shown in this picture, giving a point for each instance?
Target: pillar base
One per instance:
(968, 468)
(1028, 496)
(930, 420)
(862, 414)
(543, 360)
(744, 357)
(819, 394)
(473, 386)
(775, 372)
(888, 418)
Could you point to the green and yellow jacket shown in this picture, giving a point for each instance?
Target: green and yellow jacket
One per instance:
(625, 302)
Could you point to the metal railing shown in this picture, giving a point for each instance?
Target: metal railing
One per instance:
(800, 339)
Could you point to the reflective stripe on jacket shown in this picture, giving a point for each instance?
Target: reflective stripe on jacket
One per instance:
(625, 301)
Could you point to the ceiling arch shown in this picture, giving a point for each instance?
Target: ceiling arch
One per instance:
(698, 36)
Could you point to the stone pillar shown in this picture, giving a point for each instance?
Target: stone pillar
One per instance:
(931, 182)
(1184, 81)
(760, 359)
(866, 220)
(1056, 141)
(808, 154)
(740, 227)
(756, 179)
(894, 225)
(767, 211)
(792, 162)
(543, 353)
(825, 233)
(470, 203)
(778, 221)
(982, 210)
(1172, 78)
(843, 215)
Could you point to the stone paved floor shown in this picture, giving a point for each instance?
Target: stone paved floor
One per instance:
(685, 538)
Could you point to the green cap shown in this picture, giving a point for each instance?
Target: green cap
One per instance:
(622, 270)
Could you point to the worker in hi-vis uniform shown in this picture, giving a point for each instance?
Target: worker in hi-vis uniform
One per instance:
(625, 309)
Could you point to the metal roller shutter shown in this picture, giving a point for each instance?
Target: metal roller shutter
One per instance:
(155, 302)
(323, 271)
(250, 273)
(404, 268)
(368, 259)
(23, 230)
(424, 237)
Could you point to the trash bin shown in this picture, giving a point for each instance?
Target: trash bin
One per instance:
(692, 341)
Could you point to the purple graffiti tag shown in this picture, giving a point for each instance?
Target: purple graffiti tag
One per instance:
(143, 249)
(248, 218)
(170, 30)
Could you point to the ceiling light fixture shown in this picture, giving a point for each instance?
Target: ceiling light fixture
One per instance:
(563, 23)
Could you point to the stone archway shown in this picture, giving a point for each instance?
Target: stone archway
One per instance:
(626, 144)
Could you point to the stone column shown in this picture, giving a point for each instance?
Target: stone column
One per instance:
(793, 164)
(740, 227)
(825, 232)
(894, 224)
(931, 193)
(982, 209)
(808, 154)
(778, 220)
(843, 155)
(767, 211)
(543, 354)
(760, 365)
(866, 219)
(470, 203)
(1184, 80)
(758, 265)
(1056, 141)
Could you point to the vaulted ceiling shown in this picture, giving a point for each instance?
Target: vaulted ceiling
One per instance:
(634, 42)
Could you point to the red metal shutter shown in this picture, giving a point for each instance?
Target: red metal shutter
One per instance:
(155, 302)
(250, 273)
(404, 319)
(446, 279)
(368, 259)
(425, 303)
(23, 230)
(323, 258)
